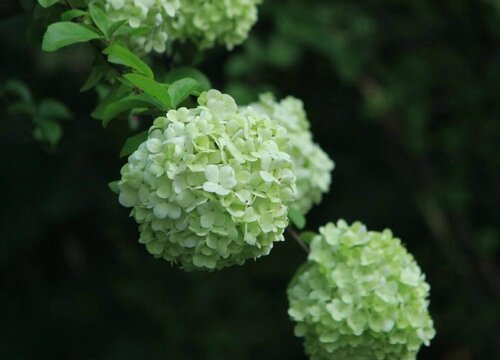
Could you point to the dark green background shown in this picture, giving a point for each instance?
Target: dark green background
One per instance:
(403, 95)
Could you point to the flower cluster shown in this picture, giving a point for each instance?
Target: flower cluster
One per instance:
(209, 187)
(151, 20)
(216, 21)
(361, 295)
(313, 167)
(204, 22)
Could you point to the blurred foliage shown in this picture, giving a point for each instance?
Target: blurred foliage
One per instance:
(402, 94)
(45, 115)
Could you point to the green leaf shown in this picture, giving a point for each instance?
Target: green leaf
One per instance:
(307, 236)
(100, 18)
(54, 109)
(149, 86)
(42, 18)
(113, 186)
(72, 14)
(48, 131)
(189, 72)
(47, 3)
(116, 26)
(97, 73)
(142, 101)
(127, 31)
(296, 218)
(120, 55)
(22, 107)
(117, 91)
(65, 33)
(133, 143)
(180, 90)
(18, 88)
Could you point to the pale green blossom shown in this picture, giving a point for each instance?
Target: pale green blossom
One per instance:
(151, 18)
(209, 22)
(361, 295)
(220, 180)
(204, 22)
(210, 185)
(313, 167)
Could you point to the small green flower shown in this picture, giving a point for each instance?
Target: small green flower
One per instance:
(220, 180)
(313, 167)
(196, 185)
(361, 295)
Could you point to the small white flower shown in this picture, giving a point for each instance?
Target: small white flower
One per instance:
(219, 181)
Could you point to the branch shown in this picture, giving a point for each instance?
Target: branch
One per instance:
(296, 237)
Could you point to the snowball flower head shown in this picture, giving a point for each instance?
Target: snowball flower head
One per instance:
(361, 295)
(216, 21)
(313, 167)
(204, 22)
(209, 187)
(151, 20)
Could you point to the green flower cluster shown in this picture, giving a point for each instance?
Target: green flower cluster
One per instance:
(204, 22)
(209, 187)
(360, 296)
(151, 20)
(313, 167)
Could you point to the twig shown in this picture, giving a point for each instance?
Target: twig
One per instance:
(296, 237)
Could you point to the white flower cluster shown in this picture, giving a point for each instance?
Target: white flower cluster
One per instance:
(207, 22)
(361, 295)
(204, 22)
(313, 167)
(151, 18)
(209, 187)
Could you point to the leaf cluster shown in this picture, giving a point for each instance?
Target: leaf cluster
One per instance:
(46, 115)
(126, 83)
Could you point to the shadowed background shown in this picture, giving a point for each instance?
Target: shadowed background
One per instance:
(404, 97)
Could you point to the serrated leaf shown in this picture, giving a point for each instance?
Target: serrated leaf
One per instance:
(296, 218)
(149, 86)
(66, 33)
(113, 186)
(189, 72)
(47, 3)
(132, 143)
(120, 55)
(180, 90)
(72, 14)
(99, 17)
(54, 109)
